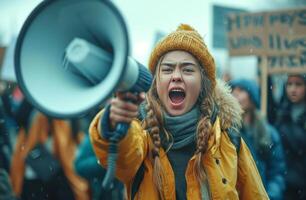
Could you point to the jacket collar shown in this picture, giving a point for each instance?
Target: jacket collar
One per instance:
(228, 108)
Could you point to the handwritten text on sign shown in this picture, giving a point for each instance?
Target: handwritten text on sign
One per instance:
(280, 35)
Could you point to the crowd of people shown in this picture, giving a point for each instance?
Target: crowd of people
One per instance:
(47, 158)
(191, 136)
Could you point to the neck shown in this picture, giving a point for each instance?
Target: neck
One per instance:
(183, 127)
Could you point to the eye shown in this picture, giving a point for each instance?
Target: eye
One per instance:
(188, 69)
(289, 84)
(299, 84)
(166, 69)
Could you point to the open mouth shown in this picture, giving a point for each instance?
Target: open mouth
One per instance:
(177, 95)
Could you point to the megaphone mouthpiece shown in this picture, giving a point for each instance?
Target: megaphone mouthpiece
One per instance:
(87, 60)
(92, 64)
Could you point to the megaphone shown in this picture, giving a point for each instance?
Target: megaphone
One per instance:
(71, 55)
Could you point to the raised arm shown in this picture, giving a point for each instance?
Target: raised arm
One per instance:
(132, 149)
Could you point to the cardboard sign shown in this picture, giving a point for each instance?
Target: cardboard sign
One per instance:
(267, 32)
(279, 35)
(246, 34)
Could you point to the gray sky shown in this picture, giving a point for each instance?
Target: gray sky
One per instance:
(144, 18)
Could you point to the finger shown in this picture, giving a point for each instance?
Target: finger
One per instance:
(119, 118)
(131, 96)
(120, 95)
(124, 112)
(127, 96)
(124, 105)
(141, 97)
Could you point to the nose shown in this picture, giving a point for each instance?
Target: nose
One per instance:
(291, 88)
(177, 76)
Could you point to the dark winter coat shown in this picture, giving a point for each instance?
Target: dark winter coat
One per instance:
(293, 136)
(268, 155)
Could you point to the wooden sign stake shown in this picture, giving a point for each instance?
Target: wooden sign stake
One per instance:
(264, 84)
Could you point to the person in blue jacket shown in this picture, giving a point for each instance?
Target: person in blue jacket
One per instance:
(262, 139)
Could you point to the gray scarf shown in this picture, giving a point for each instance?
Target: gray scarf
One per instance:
(182, 128)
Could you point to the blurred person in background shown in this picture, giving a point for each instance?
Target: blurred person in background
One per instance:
(42, 162)
(87, 166)
(14, 113)
(5, 142)
(262, 139)
(6, 191)
(291, 123)
(226, 76)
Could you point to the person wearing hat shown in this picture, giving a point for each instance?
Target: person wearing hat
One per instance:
(262, 138)
(291, 123)
(182, 141)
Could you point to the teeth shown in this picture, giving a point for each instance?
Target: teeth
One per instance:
(177, 90)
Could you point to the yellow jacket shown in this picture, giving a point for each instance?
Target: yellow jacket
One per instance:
(229, 176)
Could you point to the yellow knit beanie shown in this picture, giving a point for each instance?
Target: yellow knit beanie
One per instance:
(187, 39)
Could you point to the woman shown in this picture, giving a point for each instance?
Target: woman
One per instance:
(291, 123)
(183, 149)
(262, 139)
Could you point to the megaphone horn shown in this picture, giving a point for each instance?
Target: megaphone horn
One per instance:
(71, 55)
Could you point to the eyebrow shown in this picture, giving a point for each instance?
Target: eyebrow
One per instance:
(170, 63)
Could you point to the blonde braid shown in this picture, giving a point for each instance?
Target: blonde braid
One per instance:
(153, 122)
(204, 127)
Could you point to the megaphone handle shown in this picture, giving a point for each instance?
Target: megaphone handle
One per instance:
(120, 132)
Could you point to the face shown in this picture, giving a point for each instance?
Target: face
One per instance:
(178, 82)
(295, 89)
(243, 98)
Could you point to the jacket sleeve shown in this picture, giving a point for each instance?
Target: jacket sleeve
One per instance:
(85, 162)
(132, 149)
(249, 184)
(276, 167)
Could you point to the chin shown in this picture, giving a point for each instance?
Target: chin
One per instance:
(296, 101)
(175, 112)
(179, 110)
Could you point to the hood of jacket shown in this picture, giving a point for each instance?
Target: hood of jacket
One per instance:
(229, 110)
